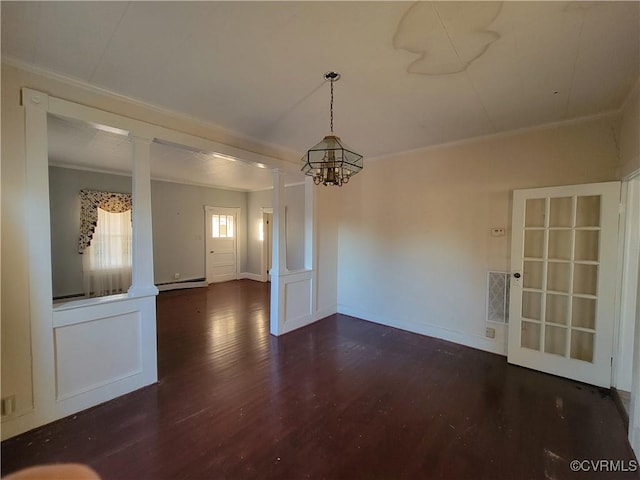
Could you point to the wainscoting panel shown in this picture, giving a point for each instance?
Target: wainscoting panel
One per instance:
(297, 296)
(96, 353)
(104, 348)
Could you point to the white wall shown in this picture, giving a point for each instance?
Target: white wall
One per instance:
(414, 232)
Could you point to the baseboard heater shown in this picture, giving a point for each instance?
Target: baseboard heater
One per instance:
(192, 283)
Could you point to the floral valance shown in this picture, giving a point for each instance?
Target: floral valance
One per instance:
(90, 201)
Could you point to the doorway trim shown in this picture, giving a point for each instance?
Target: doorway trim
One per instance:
(628, 315)
(264, 253)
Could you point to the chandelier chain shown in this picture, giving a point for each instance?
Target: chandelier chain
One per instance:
(332, 106)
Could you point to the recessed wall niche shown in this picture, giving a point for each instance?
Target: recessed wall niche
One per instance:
(89, 260)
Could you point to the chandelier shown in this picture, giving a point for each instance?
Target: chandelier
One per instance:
(331, 162)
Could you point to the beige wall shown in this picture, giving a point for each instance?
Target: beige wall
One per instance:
(414, 234)
(629, 134)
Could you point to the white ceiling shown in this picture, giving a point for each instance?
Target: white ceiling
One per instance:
(77, 144)
(413, 74)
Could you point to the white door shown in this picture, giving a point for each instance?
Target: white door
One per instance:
(222, 244)
(563, 265)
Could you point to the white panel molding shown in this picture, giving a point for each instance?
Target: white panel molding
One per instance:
(289, 312)
(72, 376)
(297, 299)
(102, 390)
(46, 408)
(430, 330)
(36, 106)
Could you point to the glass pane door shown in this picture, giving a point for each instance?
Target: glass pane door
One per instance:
(559, 275)
(564, 244)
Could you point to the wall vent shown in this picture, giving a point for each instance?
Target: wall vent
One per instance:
(498, 297)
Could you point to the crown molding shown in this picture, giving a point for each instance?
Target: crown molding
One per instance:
(274, 150)
(506, 134)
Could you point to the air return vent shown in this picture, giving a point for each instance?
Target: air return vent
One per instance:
(498, 297)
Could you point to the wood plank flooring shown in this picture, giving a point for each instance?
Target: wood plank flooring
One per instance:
(341, 399)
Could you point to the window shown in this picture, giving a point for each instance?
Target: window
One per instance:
(107, 261)
(222, 226)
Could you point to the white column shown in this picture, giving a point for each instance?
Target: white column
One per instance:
(142, 283)
(278, 255)
(39, 247)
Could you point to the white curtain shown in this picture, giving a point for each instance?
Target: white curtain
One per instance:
(106, 263)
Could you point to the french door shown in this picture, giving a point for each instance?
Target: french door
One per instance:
(563, 262)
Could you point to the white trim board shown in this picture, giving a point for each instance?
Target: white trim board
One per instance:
(180, 285)
(474, 341)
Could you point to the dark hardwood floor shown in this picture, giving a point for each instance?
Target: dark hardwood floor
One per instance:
(342, 398)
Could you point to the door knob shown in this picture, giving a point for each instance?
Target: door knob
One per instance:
(211, 251)
(516, 275)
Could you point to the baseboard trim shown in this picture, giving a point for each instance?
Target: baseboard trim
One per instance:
(305, 320)
(469, 340)
(250, 276)
(16, 425)
(179, 285)
(620, 406)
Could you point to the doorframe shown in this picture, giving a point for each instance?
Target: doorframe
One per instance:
(628, 273)
(520, 356)
(628, 251)
(236, 237)
(264, 254)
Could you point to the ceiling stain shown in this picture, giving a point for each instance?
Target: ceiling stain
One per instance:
(448, 36)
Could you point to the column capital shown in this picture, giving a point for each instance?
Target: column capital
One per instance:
(35, 99)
